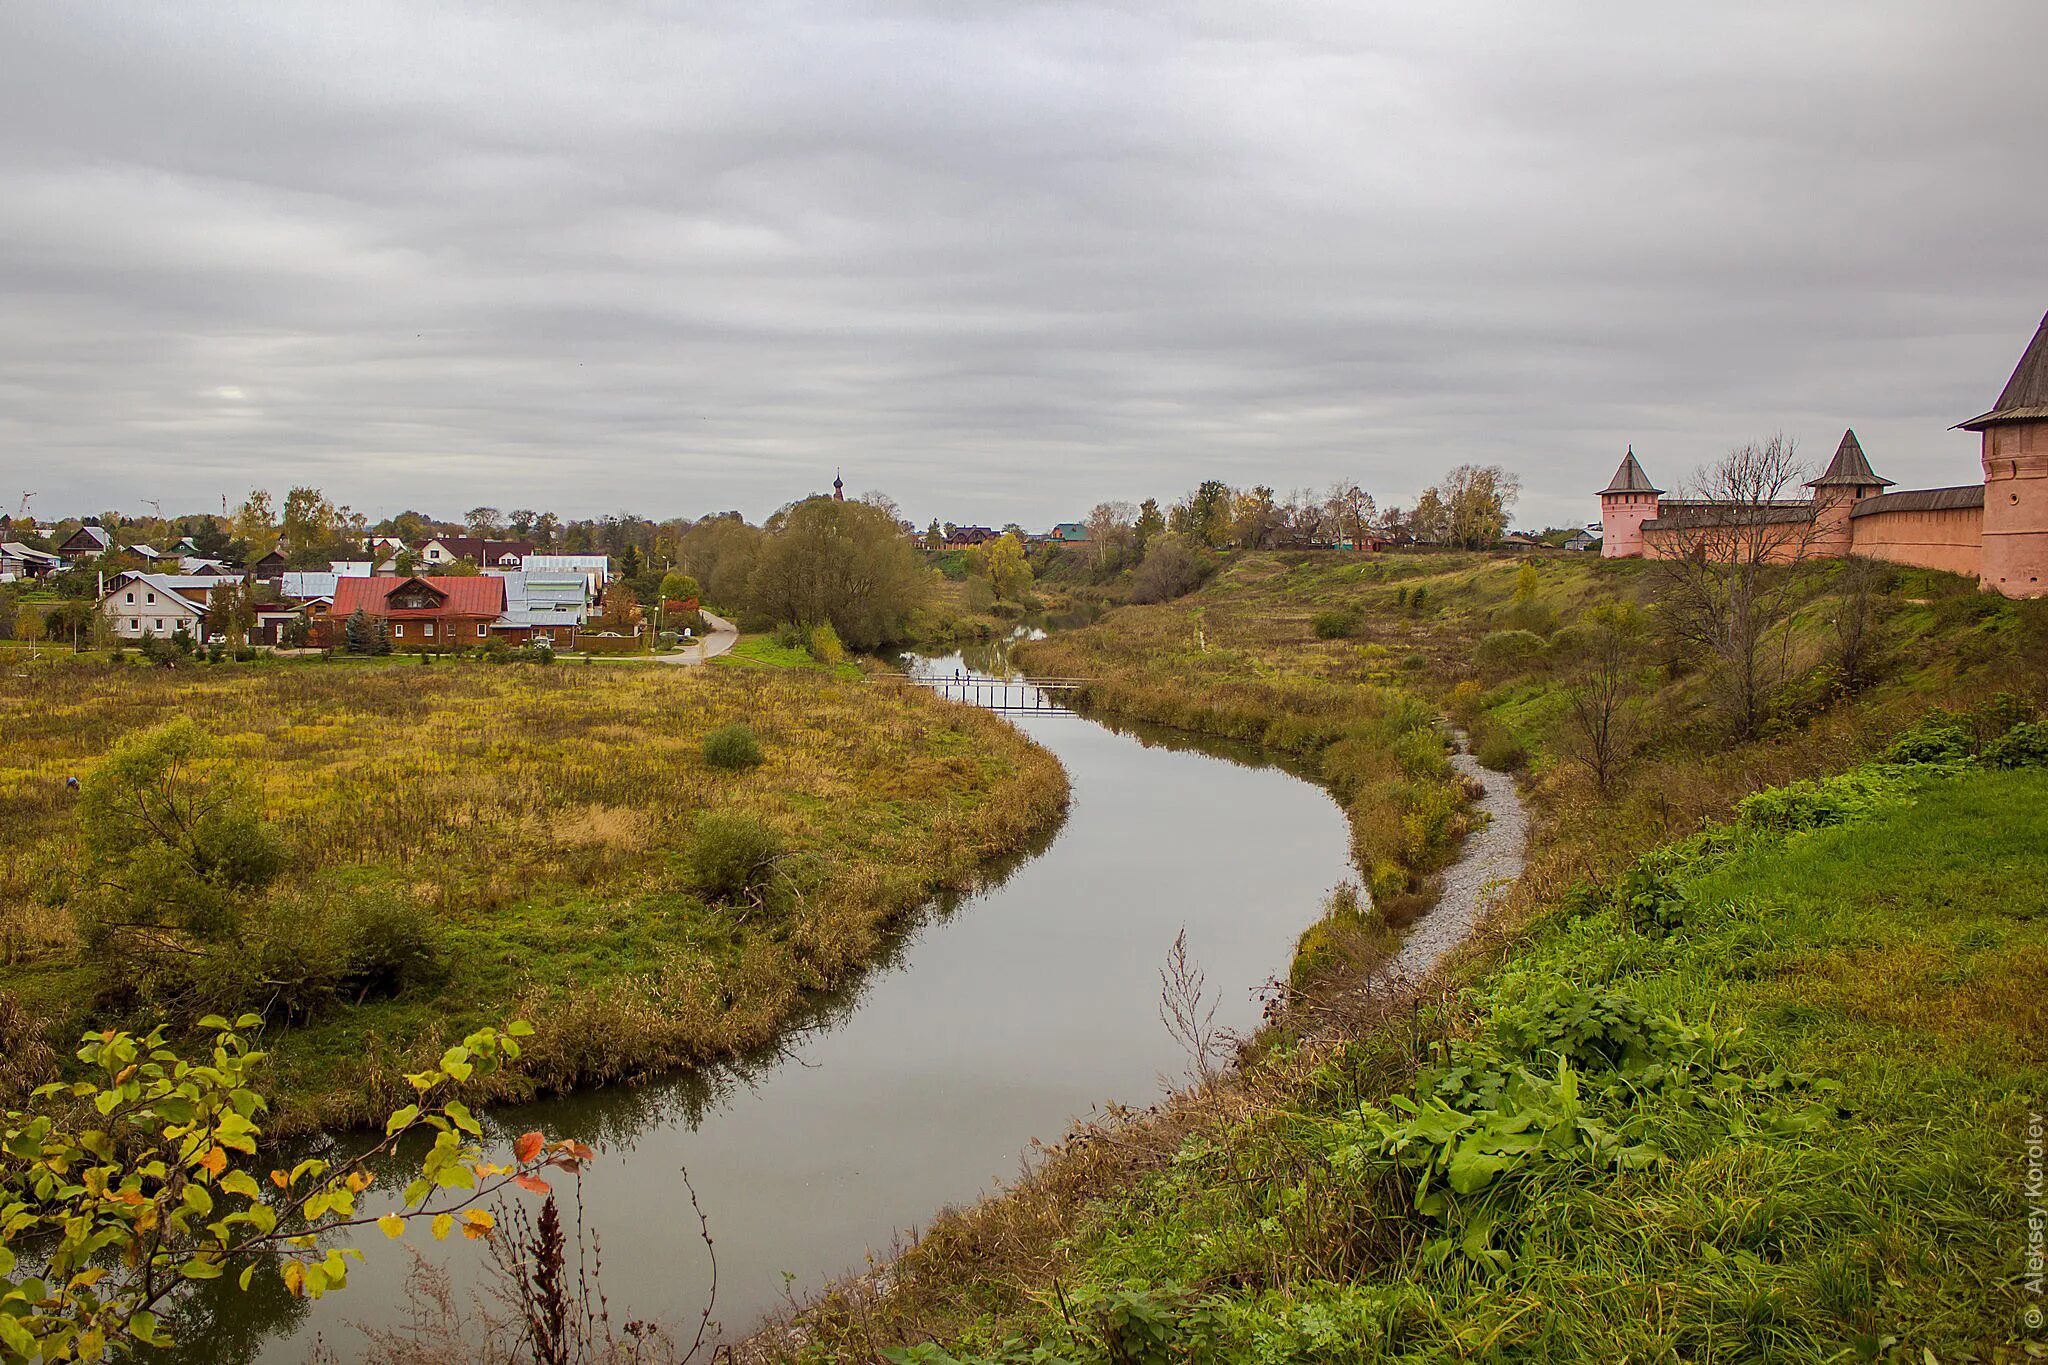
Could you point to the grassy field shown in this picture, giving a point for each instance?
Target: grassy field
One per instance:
(542, 819)
(1756, 1094)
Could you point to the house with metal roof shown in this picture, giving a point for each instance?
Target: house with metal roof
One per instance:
(139, 604)
(543, 606)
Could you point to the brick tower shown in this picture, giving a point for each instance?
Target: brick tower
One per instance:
(2015, 557)
(1629, 500)
(1848, 481)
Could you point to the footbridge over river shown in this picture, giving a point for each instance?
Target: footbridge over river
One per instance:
(1040, 696)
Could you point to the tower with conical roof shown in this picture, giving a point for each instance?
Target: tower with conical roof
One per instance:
(1629, 500)
(1849, 480)
(2014, 558)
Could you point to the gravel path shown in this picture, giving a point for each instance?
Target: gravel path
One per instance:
(1492, 859)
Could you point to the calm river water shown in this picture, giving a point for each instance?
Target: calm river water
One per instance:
(995, 1020)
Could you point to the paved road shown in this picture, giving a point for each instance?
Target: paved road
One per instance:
(723, 636)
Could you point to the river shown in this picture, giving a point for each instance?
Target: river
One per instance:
(994, 1020)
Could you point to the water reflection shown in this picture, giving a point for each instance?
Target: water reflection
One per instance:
(995, 1019)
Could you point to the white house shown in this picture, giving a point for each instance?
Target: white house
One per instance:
(139, 604)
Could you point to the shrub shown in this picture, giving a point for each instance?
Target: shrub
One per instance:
(790, 635)
(732, 747)
(1172, 568)
(1508, 651)
(1938, 737)
(1336, 624)
(823, 643)
(1414, 663)
(732, 856)
(388, 947)
(1498, 749)
(2023, 746)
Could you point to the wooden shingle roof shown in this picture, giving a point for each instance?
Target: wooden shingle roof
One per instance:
(1630, 478)
(2026, 394)
(1850, 468)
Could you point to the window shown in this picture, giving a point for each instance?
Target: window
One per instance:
(398, 631)
(130, 597)
(428, 630)
(159, 625)
(151, 596)
(134, 625)
(482, 630)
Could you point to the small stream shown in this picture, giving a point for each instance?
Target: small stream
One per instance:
(994, 1020)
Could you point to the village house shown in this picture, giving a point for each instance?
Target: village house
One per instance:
(485, 554)
(436, 613)
(966, 537)
(1995, 531)
(549, 607)
(87, 542)
(138, 604)
(20, 561)
(595, 569)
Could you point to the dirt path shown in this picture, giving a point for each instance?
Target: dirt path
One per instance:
(721, 638)
(1491, 860)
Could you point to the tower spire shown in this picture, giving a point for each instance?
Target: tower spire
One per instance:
(838, 487)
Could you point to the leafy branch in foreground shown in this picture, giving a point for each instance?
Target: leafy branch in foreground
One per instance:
(118, 1190)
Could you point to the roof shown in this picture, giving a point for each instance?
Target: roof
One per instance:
(14, 549)
(1850, 468)
(2026, 394)
(170, 585)
(97, 534)
(1673, 515)
(478, 548)
(545, 599)
(1630, 478)
(476, 595)
(579, 564)
(304, 585)
(1922, 500)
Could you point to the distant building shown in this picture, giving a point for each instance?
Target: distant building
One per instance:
(485, 554)
(18, 561)
(597, 569)
(139, 604)
(1581, 540)
(87, 542)
(1071, 533)
(418, 613)
(1995, 531)
(965, 537)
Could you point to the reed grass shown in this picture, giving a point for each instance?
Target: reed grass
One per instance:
(543, 817)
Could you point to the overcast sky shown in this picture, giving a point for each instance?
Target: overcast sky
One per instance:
(1001, 260)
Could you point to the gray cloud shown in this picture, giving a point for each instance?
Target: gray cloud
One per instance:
(1002, 260)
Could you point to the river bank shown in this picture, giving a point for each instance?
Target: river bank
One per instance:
(1360, 1187)
(993, 1018)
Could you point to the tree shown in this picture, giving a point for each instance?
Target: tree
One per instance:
(1203, 516)
(1112, 538)
(405, 563)
(629, 562)
(255, 523)
(1604, 705)
(1151, 522)
(484, 521)
(1470, 507)
(380, 637)
(145, 1174)
(619, 609)
(231, 612)
(1172, 567)
(1430, 521)
(1350, 510)
(311, 527)
(1727, 580)
(1256, 518)
(845, 564)
(934, 538)
(677, 586)
(1007, 571)
(357, 633)
(176, 842)
(720, 553)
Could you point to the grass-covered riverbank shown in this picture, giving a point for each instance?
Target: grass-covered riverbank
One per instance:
(1760, 1094)
(533, 842)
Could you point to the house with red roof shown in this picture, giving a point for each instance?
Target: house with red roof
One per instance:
(418, 613)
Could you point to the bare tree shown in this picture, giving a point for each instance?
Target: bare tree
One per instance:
(1728, 580)
(1189, 1013)
(1350, 510)
(1857, 617)
(1604, 716)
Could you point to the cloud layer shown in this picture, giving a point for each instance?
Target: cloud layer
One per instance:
(1002, 260)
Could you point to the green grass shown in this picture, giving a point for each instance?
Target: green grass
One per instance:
(762, 651)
